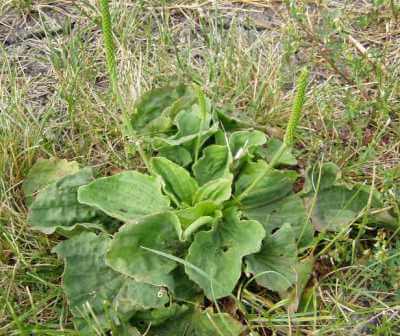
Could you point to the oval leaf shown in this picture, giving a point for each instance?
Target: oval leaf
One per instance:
(217, 191)
(274, 267)
(44, 173)
(137, 296)
(213, 164)
(127, 255)
(242, 142)
(194, 126)
(320, 177)
(154, 112)
(272, 147)
(178, 154)
(289, 210)
(336, 207)
(90, 285)
(178, 182)
(275, 185)
(218, 270)
(192, 121)
(57, 206)
(333, 205)
(127, 196)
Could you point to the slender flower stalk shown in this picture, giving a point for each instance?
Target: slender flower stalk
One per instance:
(288, 139)
(109, 45)
(203, 113)
(109, 48)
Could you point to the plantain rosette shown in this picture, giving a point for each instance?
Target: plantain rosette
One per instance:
(216, 210)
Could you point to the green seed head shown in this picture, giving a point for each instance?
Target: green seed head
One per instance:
(297, 107)
(109, 43)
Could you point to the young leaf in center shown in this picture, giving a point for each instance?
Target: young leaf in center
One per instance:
(178, 182)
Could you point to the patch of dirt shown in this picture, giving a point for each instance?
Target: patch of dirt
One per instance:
(24, 36)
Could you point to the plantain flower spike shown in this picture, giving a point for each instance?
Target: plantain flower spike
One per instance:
(298, 103)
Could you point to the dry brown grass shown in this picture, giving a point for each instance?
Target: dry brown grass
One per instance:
(54, 101)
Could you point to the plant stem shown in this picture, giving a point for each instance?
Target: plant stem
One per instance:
(203, 112)
(109, 45)
(109, 48)
(288, 139)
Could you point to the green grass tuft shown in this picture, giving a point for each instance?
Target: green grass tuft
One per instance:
(245, 54)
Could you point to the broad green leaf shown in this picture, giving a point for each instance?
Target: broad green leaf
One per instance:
(178, 182)
(274, 267)
(138, 296)
(320, 177)
(155, 111)
(337, 206)
(184, 289)
(97, 293)
(229, 122)
(334, 205)
(243, 142)
(213, 164)
(188, 215)
(199, 323)
(384, 218)
(290, 210)
(57, 206)
(126, 254)
(90, 285)
(192, 121)
(218, 253)
(272, 147)
(178, 154)
(193, 126)
(217, 191)
(127, 196)
(44, 173)
(156, 317)
(274, 185)
(220, 138)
